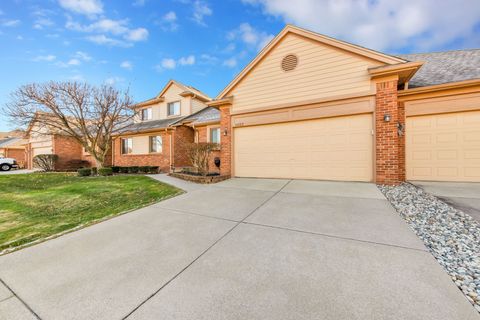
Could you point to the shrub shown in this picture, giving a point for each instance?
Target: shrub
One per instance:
(123, 169)
(143, 169)
(153, 169)
(199, 154)
(94, 171)
(46, 162)
(133, 169)
(115, 169)
(84, 172)
(76, 164)
(106, 171)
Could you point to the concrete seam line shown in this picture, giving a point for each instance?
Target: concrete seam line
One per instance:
(198, 214)
(333, 236)
(201, 254)
(20, 299)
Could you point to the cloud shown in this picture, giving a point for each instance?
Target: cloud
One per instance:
(250, 36)
(168, 64)
(86, 7)
(48, 58)
(168, 21)
(384, 24)
(187, 61)
(41, 23)
(231, 63)
(200, 11)
(112, 81)
(139, 34)
(10, 23)
(73, 62)
(102, 39)
(138, 3)
(105, 26)
(126, 65)
(82, 56)
(208, 59)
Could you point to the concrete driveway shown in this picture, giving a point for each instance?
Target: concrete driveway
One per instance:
(461, 195)
(241, 249)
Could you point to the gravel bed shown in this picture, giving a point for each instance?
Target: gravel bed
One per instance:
(452, 236)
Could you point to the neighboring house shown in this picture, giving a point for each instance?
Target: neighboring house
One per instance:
(154, 139)
(44, 140)
(14, 147)
(312, 107)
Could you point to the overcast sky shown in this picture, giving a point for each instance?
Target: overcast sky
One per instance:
(141, 44)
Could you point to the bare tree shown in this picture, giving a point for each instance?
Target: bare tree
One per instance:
(199, 155)
(88, 114)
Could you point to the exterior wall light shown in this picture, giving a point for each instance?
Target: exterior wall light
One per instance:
(225, 132)
(387, 117)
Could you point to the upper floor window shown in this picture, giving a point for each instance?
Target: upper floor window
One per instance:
(127, 146)
(156, 144)
(147, 114)
(173, 108)
(215, 135)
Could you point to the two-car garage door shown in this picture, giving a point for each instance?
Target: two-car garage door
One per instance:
(339, 148)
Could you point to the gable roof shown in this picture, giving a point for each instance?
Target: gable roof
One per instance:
(290, 29)
(445, 67)
(12, 142)
(150, 125)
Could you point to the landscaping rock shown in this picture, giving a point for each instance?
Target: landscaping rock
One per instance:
(452, 236)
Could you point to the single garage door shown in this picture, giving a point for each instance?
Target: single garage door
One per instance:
(444, 147)
(338, 148)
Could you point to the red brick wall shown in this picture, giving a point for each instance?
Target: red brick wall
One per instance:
(226, 141)
(389, 146)
(182, 136)
(17, 154)
(202, 137)
(66, 148)
(152, 159)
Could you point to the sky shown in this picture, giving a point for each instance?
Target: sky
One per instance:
(140, 44)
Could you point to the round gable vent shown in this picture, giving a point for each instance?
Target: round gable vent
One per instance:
(289, 62)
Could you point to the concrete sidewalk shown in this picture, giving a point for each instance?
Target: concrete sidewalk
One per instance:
(240, 249)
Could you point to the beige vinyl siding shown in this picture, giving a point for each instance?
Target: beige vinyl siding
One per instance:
(41, 150)
(171, 95)
(444, 147)
(322, 71)
(339, 148)
(197, 105)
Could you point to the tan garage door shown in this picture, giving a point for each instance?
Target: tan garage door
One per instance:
(331, 149)
(444, 147)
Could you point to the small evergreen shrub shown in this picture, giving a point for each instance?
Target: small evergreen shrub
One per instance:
(106, 171)
(133, 169)
(123, 169)
(94, 171)
(84, 172)
(153, 169)
(115, 169)
(143, 169)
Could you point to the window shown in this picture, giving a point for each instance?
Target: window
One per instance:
(127, 146)
(147, 114)
(173, 108)
(156, 144)
(215, 135)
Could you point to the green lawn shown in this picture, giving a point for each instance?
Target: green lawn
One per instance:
(35, 206)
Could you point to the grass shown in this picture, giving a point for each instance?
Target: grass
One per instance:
(35, 206)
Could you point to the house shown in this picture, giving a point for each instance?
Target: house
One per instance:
(13, 147)
(45, 140)
(313, 107)
(157, 136)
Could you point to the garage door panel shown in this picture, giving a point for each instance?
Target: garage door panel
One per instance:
(444, 147)
(332, 149)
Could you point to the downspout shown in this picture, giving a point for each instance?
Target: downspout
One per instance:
(170, 155)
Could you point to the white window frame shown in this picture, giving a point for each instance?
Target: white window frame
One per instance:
(210, 131)
(149, 114)
(129, 146)
(173, 103)
(150, 144)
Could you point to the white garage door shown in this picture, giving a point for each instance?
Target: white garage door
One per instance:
(444, 147)
(338, 148)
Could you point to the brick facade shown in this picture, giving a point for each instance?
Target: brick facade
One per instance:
(182, 136)
(67, 149)
(17, 154)
(225, 140)
(389, 146)
(152, 159)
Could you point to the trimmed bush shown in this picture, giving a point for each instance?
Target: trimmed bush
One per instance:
(133, 169)
(46, 162)
(115, 169)
(94, 171)
(153, 169)
(84, 172)
(143, 169)
(107, 171)
(123, 169)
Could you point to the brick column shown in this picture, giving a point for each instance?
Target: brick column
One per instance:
(225, 141)
(390, 148)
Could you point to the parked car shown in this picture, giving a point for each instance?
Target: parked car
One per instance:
(7, 163)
